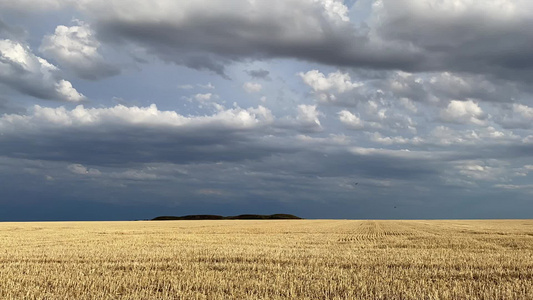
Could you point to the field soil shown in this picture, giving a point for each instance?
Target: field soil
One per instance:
(285, 259)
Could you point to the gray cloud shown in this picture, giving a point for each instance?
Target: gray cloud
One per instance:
(120, 136)
(259, 74)
(8, 107)
(445, 86)
(132, 134)
(7, 31)
(146, 153)
(31, 6)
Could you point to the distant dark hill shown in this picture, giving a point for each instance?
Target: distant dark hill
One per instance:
(264, 217)
(239, 217)
(189, 217)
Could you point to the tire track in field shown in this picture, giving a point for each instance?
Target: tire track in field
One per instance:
(372, 231)
(450, 234)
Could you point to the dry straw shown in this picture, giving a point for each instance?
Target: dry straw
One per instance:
(296, 259)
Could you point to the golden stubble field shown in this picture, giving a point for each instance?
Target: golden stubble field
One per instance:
(287, 259)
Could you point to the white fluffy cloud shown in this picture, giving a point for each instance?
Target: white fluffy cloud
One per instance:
(435, 87)
(395, 140)
(137, 134)
(120, 115)
(464, 112)
(252, 87)
(351, 120)
(203, 98)
(524, 111)
(334, 88)
(518, 116)
(77, 48)
(308, 116)
(445, 136)
(82, 170)
(337, 81)
(29, 74)
(68, 92)
(482, 170)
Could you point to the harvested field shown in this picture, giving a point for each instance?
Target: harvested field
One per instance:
(287, 259)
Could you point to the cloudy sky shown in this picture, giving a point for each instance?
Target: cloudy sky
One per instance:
(321, 108)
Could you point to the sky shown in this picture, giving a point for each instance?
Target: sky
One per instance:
(384, 109)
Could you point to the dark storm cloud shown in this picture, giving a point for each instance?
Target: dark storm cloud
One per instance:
(490, 37)
(131, 135)
(123, 135)
(341, 163)
(195, 37)
(397, 35)
(478, 37)
(137, 145)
